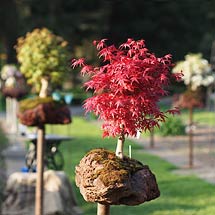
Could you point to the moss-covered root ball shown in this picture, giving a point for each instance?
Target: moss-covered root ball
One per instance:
(104, 178)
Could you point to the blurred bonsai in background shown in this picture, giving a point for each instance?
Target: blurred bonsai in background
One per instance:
(13, 83)
(197, 71)
(197, 76)
(43, 57)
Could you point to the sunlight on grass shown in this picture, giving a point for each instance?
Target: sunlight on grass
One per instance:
(179, 194)
(201, 116)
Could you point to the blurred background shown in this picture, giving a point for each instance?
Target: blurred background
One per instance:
(175, 27)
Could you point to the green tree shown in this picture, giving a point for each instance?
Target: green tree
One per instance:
(9, 28)
(178, 27)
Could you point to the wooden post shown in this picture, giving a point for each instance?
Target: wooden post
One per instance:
(14, 122)
(103, 209)
(190, 138)
(40, 169)
(7, 110)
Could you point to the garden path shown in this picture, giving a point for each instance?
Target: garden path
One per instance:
(175, 150)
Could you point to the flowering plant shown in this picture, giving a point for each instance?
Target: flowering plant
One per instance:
(10, 70)
(197, 71)
(127, 87)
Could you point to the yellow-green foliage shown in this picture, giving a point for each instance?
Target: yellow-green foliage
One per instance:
(42, 54)
(115, 170)
(31, 103)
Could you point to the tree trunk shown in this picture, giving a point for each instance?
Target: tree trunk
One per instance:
(190, 138)
(40, 169)
(103, 209)
(44, 88)
(120, 145)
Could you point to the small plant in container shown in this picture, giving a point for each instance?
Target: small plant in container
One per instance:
(13, 83)
(43, 59)
(13, 87)
(126, 89)
(197, 74)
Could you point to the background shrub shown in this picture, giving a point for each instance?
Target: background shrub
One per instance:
(172, 127)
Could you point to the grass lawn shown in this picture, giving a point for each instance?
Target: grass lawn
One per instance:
(200, 116)
(180, 195)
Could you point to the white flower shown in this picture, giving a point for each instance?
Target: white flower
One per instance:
(197, 71)
(208, 80)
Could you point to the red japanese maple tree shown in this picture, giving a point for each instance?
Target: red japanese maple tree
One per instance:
(127, 88)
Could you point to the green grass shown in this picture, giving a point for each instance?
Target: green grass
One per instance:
(200, 116)
(180, 195)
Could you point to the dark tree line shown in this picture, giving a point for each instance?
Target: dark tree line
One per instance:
(176, 27)
(9, 28)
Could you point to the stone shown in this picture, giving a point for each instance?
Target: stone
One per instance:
(58, 194)
(106, 179)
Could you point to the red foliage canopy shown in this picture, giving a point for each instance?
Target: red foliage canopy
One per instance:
(127, 87)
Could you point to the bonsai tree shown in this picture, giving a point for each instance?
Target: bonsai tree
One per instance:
(43, 60)
(126, 89)
(43, 57)
(13, 87)
(13, 82)
(197, 74)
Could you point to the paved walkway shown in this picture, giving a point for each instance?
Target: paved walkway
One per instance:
(175, 150)
(14, 155)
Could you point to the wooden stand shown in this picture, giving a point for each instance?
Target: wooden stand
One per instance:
(40, 169)
(190, 138)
